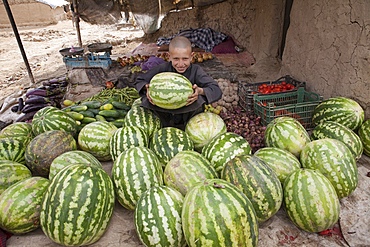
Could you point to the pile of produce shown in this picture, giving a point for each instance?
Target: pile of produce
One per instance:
(246, 124)
(230, 97)
(49, 94)
(198, 57)
(232, 180)
(275, 88)
(109, 105)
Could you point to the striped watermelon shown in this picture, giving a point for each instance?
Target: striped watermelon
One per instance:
(286, 133)
(364, 134)
(217, 213)
(52, 118)
(186, 169)
(12, 172)
(280, 160)
(335, 130)
(341, 110)
(333, 159)
(134, 171)
(170, 90)
(20, 130)
(94, 138)
(158, 217)
(126, 137)
(136, 102)
(72, 157)
(225, 147)
(200, 135)
(310, 200)
(12, 149)
(77, 206)
(258, 182)
(144, 118)
(20, 205)
(45, 147)
(169, 141)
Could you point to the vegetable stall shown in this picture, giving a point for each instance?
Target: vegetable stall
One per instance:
(106, 172)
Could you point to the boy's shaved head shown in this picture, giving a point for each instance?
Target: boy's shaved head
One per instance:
(179, 42)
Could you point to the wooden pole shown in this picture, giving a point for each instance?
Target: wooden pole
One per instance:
(15, 30)
(76, 19)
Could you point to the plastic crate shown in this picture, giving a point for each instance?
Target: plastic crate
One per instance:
(298, 104)
(246, 91)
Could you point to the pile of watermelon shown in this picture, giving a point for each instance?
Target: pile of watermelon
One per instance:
(202, 186)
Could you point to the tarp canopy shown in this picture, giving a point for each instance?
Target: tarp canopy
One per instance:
(54, 3)
(147, 13)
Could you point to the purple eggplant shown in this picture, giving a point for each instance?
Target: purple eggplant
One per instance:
(25, 117)
(36, 99)
(34, 107)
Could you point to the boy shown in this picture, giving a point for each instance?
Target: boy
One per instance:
(206, 89)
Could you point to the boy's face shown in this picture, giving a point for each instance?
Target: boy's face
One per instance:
(180, 58)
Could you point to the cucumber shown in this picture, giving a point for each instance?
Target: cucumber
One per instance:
(68, 102)
(100, 118)
(121, 105)
(110, 119)
(118, 123)
(87, 113)
(122, 113)
(93, 104)
(87, 120)
(93, 110)
(78, 108)
(109, 113)
(75, 115)
(108, 106)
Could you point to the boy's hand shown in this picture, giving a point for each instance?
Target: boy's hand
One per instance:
(197, 91)
(147, 94)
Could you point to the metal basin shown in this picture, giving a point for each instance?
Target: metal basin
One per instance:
(71, 51)
(100, 47)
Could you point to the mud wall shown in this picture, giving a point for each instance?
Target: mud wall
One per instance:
(328, 45)
(30, 13)
(256, 24)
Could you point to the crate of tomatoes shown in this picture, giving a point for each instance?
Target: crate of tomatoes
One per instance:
(298, 104)
(247, 90)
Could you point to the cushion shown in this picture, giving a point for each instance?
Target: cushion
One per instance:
(227, 46)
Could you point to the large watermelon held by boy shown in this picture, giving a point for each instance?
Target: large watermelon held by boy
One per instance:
(170, 90)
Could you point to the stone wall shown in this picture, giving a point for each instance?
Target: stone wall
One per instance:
(328, 45)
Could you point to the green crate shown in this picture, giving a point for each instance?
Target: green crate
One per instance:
(247, 90)
(298, 104)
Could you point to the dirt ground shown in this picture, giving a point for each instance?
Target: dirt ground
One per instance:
(42, 45)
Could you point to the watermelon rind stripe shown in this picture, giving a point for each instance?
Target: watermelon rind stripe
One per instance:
(12, 172)
(258, 182)
(134, 171)
(70, 219)
(167, 142)
(170, 90)
(339, 109)
(224, 147)
(216, 213)
(334, 130)
(158, 217)
(364, 134)
(20, 204)
(310, 200)
(333, 159)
